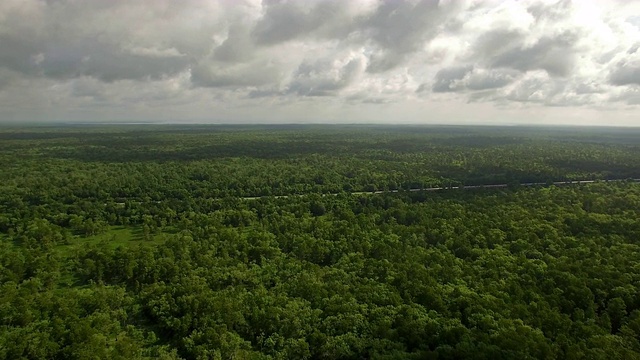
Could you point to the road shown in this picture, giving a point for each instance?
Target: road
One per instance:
(467, 187)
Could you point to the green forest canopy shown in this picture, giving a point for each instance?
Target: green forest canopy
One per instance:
(171, 242)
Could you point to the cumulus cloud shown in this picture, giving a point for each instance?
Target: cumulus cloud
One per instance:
(626, 72)
(287, 20)
(449, 79)
(251, 74)
(467, 78)
(398, 29)
(326, 77)
(490, 79)
(239, 55)
(550, 53)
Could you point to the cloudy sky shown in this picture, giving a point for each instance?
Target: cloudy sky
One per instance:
(316, 61)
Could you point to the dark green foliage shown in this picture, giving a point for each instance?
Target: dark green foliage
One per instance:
(254, 243)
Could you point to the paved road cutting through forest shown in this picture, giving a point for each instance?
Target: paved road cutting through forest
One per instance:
(464, 187)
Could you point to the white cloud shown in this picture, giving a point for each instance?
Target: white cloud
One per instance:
(222, 60)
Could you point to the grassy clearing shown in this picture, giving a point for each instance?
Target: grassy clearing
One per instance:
(114, 237)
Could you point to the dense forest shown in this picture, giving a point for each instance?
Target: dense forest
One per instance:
(266, 242)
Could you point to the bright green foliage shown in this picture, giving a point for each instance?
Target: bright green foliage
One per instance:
(128, 243)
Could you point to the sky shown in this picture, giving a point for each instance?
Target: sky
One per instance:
(321, 61)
